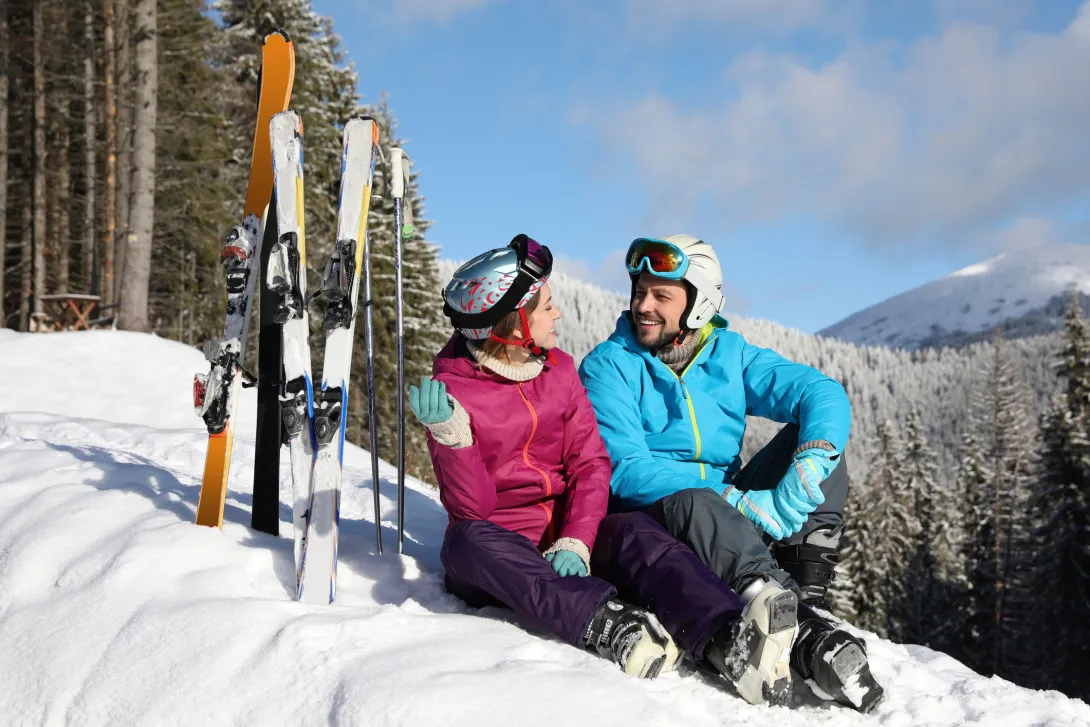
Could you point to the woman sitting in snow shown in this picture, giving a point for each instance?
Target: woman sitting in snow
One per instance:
(524, 476)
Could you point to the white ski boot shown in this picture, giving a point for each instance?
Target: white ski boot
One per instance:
(633, 638)
(754, 652)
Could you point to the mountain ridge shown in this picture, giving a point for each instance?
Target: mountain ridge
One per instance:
(1020, 293)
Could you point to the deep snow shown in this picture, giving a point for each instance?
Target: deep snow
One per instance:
(115, 609)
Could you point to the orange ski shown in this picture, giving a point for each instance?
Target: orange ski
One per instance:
(215, 394)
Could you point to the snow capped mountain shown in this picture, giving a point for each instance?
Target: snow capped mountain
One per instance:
(1023, 292)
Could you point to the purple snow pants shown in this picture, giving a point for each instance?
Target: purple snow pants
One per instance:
(634, 558)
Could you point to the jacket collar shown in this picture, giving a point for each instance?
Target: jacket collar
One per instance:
(456, 358)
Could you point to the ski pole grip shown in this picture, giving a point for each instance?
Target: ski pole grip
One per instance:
(399, 166)
(407, 213)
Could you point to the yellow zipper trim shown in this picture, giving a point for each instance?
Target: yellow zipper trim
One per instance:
(692, 416)
(705, 334)
(696, 429)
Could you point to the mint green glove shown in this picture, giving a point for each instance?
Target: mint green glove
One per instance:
(760, 507)
(567, 563)
(429, 403)
(800, 489)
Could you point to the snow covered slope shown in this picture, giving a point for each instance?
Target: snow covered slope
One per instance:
(1013, 290)
(116, 610)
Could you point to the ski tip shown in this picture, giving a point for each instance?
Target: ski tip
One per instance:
(356, 120)
(281, 32)
(284, 120)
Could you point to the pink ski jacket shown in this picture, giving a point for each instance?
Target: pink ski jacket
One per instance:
(537, 465)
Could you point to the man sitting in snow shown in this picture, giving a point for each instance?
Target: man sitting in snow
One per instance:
(671, 389)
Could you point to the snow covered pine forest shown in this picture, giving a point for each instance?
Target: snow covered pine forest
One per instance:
(115, 609)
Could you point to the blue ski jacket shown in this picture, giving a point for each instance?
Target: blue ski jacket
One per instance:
(666, 433)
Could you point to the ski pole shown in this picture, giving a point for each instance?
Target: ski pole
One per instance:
(400, 165)
(369, 344)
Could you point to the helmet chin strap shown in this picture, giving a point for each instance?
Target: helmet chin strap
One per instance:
(528, 342)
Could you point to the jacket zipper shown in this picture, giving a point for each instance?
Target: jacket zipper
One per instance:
(692, 410)
(526, 459)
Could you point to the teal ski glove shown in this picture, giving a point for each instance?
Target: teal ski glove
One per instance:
(799, 491)
(567, 563)
(430, 403)
(760, 507)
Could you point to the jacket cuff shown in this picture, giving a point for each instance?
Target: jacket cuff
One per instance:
(814, 444)
(454, 432)
(576, 546)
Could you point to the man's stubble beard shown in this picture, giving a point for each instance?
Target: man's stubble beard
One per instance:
(666, 338)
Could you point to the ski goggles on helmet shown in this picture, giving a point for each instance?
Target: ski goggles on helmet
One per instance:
(658, 257)
(535, 264)
(535, 259)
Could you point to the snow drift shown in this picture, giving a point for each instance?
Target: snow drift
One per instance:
(116, 610)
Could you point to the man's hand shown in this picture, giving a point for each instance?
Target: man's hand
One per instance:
(799, 492)
(760, 507)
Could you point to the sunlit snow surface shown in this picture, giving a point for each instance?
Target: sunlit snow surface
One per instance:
(116, 610)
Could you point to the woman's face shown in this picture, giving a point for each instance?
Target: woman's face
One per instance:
(543, 320)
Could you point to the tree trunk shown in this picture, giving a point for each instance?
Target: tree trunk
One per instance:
(50, 250)
(38, 283)
(123, 232)
(26, 263)
(63, 229)
(109, 212)
(90, 279)
(3, 151)
(134, 293)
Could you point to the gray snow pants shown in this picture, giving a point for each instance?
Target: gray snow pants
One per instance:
(730, 543)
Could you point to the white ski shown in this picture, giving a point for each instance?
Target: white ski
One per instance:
(340, 288)
(287, 277)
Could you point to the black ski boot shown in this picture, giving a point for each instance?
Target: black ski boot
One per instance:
(633, 638)
(753, 652)
(834, 663)
(812, 565)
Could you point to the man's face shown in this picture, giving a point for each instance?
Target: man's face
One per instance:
(657, 306)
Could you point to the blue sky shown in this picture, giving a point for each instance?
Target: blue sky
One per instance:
(835, 152)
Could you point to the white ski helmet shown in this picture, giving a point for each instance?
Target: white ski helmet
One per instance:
(682, 257)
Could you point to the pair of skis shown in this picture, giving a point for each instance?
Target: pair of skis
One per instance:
(315, 424)
(314, 428)
(216, 394)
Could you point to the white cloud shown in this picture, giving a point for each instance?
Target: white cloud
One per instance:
(1024, 233)
(947, 137)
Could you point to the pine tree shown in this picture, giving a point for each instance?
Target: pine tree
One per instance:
(323, 94)
(199, 185)
(1061, 508)
(882, 565)
(922, 586)
(849, 591)
(997, 538)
